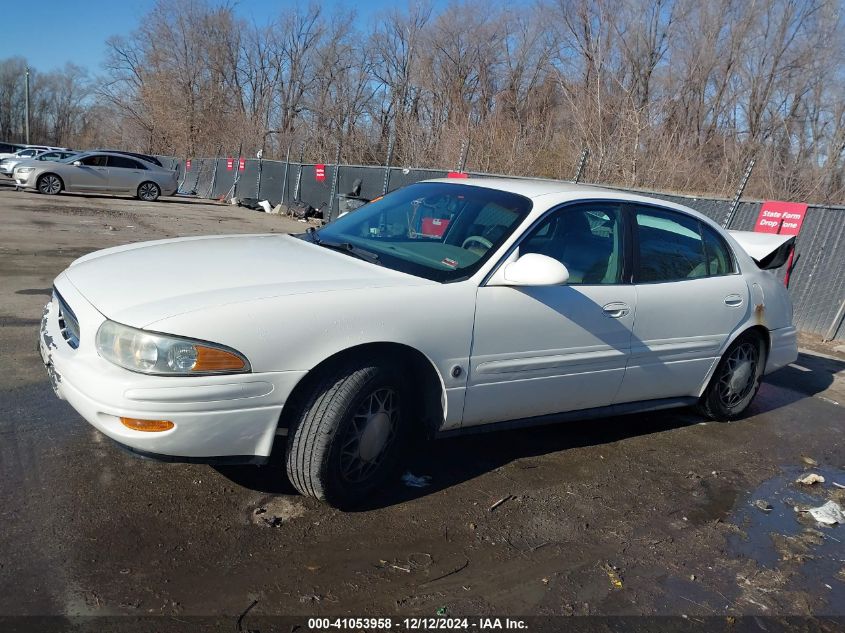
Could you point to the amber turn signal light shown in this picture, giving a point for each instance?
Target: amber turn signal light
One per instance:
(147, 425)
(210, 359)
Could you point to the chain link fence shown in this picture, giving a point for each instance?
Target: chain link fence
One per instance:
(817, 282)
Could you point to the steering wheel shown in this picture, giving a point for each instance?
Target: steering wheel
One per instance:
(487, 244)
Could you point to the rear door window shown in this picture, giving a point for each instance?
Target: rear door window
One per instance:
(123, 162)
(719, 258)
(670, 246)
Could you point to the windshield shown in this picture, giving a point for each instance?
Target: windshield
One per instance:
(440, 231)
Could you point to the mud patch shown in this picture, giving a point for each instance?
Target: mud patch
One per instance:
(78, 211)
(35, 291)
(791, 550)
(274, 511)
(10, 321)
(70, 252)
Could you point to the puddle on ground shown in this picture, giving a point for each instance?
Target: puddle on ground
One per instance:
(786, 539)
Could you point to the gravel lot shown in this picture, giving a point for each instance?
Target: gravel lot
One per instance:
(649, 514)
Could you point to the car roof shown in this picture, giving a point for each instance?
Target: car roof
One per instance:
(555, 192)
(106, 152)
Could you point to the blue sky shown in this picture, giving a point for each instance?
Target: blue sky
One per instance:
(51, 32)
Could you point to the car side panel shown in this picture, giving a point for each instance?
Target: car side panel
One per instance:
(681, 329)
(125, 180)
(543, 350)
(85, 178)
(298, 332)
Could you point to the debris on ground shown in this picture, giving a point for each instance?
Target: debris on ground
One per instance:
(830, 513)
(838, 485)
(797, 548)
(504, 499)
(612, 574)
(809, 480)
(440, 611)
(265, 204)
(763, 505)
(412, 481)
(809, 461)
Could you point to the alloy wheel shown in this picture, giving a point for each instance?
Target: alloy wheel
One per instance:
(148, 192)
(50, 185)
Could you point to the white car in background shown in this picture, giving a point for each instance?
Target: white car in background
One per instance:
(442, 307)
(29, 151)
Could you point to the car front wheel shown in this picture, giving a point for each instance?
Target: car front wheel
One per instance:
(349, 434)
(49, 184)
(149, 191)
(736, 379)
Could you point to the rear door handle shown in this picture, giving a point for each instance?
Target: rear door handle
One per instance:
(616, 310)
(733, 301)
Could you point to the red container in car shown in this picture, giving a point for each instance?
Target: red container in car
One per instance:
(434, 227)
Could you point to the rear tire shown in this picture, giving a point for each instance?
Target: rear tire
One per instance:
(736, 380)
(49, 184)
(349, 434)
(148, 191)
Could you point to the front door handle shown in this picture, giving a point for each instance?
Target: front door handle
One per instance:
(616, 310)
(733, 300)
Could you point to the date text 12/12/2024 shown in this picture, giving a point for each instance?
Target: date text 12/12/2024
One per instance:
(418, 624)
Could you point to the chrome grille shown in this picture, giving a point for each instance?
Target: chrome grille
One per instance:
(68, 323)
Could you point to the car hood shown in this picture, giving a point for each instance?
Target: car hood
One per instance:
(139, 284)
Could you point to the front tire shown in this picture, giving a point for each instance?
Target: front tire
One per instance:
(736, 380)
(49, 184)
(148, 191)
(348, 436)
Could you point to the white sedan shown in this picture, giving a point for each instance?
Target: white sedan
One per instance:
(441, 307)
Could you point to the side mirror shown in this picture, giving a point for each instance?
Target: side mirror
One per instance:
(77, 163)
(532, 269)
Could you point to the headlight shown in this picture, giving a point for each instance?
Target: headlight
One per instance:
(24, 170)
(164, 355)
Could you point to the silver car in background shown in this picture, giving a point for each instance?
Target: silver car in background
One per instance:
(8, 165)
(99, 172)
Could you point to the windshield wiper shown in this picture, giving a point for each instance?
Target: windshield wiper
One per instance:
(344, 247)
(311, 232)
(351, 249)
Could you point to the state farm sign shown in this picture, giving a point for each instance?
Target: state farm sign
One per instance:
(784, 218)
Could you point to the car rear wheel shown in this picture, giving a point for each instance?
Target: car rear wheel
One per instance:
(148, 191)
(349, 434)
(49, 184)
(736, 380)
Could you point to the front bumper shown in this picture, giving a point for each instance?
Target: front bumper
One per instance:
(230, 418)
(24, 180)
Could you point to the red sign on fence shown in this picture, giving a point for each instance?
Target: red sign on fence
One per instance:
(457, 174)
(320, 172)
(241, 164)
(784, 218)
(188, 165)
(230, 164)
